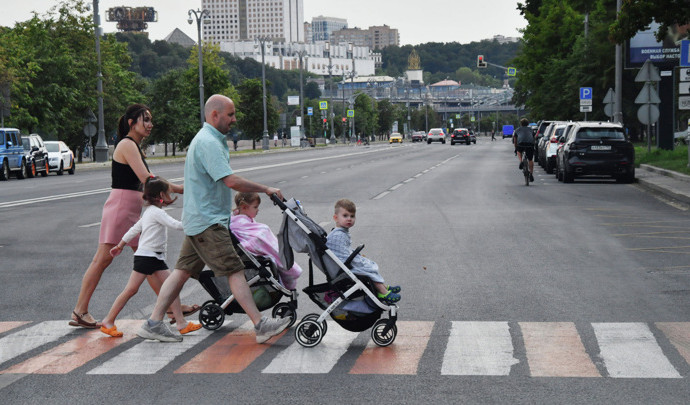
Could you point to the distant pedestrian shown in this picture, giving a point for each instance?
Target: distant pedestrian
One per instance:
(235, 138)
(493, 135)
(275, 140)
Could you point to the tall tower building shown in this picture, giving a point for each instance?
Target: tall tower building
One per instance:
(241, 20)
(322, 27)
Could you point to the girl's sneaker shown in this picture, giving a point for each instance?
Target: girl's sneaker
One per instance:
(389, 298)
(394, 288)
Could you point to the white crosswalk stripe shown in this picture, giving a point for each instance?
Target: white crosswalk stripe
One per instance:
(630, 350)
(478, 348)
(28, 339)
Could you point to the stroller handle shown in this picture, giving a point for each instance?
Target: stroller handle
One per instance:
(279, 202)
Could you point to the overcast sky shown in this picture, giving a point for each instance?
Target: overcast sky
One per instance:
(417, 22)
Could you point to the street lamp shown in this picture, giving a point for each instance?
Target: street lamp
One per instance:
(330, 79)
(264, 140)
(200, 15)
(301, 54)
(101, 152)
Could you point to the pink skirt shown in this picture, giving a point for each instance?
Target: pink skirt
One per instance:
(120, 212)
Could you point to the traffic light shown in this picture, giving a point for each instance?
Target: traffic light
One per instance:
(344, 120)
(480, 61)
(325, 120)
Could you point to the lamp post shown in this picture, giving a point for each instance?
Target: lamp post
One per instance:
(264, 139)
(101, 152)
(331, 112)
(301, 54)
(199, 15)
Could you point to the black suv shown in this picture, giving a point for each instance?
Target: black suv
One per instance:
(36, 155)
(596, 148)
(462, 135)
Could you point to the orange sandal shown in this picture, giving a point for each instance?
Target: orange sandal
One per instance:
(112, 331)
(191, 327)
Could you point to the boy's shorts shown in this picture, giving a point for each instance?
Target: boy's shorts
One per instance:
(212, 247)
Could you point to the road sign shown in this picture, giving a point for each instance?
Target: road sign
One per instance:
(472, 118)
(293, 100)
(685, 52)
(684, 103)
(648, 73)
(457, 116)
(350, 113)
(684, 88)
(585, 108)
(310, 110)
(89, 130)
(511, 71)
(609, 97)
(685, 75)
(586, 102)
(585, 93)
(608, 109)
(323, 105)
(648, 95)
(648, 114)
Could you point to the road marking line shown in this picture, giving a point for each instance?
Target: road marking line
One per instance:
(231, 354)
(401, 357)
(90, 225)
(385, 193)
(75, 353)
(313, 360)
(5, 326)
(395, 187)
(409, 180)
(629, 350)
(28, 339)
(478, 348)
(554, 349)
(149, 357)
(678, 333)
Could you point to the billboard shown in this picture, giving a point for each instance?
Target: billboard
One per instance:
(644, 46)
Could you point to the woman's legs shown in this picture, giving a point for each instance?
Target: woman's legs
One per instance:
(101, 260)
(135, 281)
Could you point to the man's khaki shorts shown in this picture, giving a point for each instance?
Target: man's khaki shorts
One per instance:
(212, 247)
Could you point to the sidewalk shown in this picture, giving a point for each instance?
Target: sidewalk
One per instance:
(668, 183)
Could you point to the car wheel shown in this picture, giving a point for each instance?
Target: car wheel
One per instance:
(568, 176)
(428, 142)
(443, 141)
(71, 169)
(549, 167)
(467, 142)
(60, 170)
(474, 142)
(31, 170)
(44, 173)
(22, 170)
(5, 173)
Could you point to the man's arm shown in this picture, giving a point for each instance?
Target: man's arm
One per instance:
(239, 183)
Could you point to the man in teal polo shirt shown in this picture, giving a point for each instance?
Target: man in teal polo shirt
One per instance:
(206, 212)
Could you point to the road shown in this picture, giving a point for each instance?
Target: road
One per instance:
(553, 293)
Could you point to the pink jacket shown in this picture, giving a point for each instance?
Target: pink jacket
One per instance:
(259, 240)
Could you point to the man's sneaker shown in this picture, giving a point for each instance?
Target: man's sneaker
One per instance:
(531, 178)
(269, 327)
(160, 332)
(520, 166)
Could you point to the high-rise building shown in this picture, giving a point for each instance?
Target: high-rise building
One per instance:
(322, 27)
(240, 20)
(375, 37)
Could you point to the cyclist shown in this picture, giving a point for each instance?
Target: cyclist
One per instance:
(523, 139)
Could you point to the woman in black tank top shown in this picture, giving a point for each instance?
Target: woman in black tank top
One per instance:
(123, 207)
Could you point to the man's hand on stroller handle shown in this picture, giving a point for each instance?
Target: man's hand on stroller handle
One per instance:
(271, 191)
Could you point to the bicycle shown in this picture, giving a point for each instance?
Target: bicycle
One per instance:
(525, 167)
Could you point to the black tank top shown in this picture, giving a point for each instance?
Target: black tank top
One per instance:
(123, 177)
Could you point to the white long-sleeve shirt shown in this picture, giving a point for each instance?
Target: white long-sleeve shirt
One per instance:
(153, 227)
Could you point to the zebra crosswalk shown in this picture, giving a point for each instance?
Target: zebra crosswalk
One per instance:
(472, 348)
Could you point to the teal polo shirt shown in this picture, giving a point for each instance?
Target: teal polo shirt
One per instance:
(207, 200)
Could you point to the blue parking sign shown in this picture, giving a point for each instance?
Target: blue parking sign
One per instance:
(585, 93)
(685, 52)
(310, 110)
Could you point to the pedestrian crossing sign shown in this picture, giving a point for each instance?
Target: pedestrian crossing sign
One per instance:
(350, 113)
(323, 105)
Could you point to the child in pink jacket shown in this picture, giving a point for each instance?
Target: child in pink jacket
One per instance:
(258, 238)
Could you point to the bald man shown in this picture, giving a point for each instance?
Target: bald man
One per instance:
(209, 181)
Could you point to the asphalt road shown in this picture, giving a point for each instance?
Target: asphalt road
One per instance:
(553, 293)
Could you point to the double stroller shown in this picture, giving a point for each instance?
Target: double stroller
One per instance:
(347, 298)
(262, 276)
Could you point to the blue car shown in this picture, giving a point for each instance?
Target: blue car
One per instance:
(12, 157)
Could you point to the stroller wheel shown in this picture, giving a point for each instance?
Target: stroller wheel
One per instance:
(284, 310)
(382, 334)
(211, 316)
(308, 333)
(314, 317)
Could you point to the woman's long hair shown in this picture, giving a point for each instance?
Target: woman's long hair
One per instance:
(133, 113)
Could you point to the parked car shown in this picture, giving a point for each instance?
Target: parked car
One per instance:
(12, 160)
(36, 155)
(539, 138)
(462, 135)
(596, 148)
(395, 137)
(550, 144)
(418, 136)
(60, 157)
(436, 135)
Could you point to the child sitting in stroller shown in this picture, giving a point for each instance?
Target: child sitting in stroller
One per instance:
(339, 243)
(258, 238)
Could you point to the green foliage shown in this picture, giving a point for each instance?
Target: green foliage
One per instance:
(51, 66)
(676, 160)
(637, 15)
(250, 106)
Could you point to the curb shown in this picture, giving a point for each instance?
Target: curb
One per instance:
(662, 189)
(669, 173)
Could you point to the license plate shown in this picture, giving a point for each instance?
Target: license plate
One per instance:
(600, 147)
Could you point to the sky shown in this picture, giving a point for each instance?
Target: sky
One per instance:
(417, 22)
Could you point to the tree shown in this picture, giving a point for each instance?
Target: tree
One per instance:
(250, 105)
(311, 90)
(637, 15)
(175, 113)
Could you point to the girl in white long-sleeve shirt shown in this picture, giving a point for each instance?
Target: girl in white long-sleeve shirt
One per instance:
(149, 259)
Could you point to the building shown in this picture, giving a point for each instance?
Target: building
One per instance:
(375, 37)
(505, 40)
(322, 27)
(179, 37)
(320, 58)
(241, 20)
